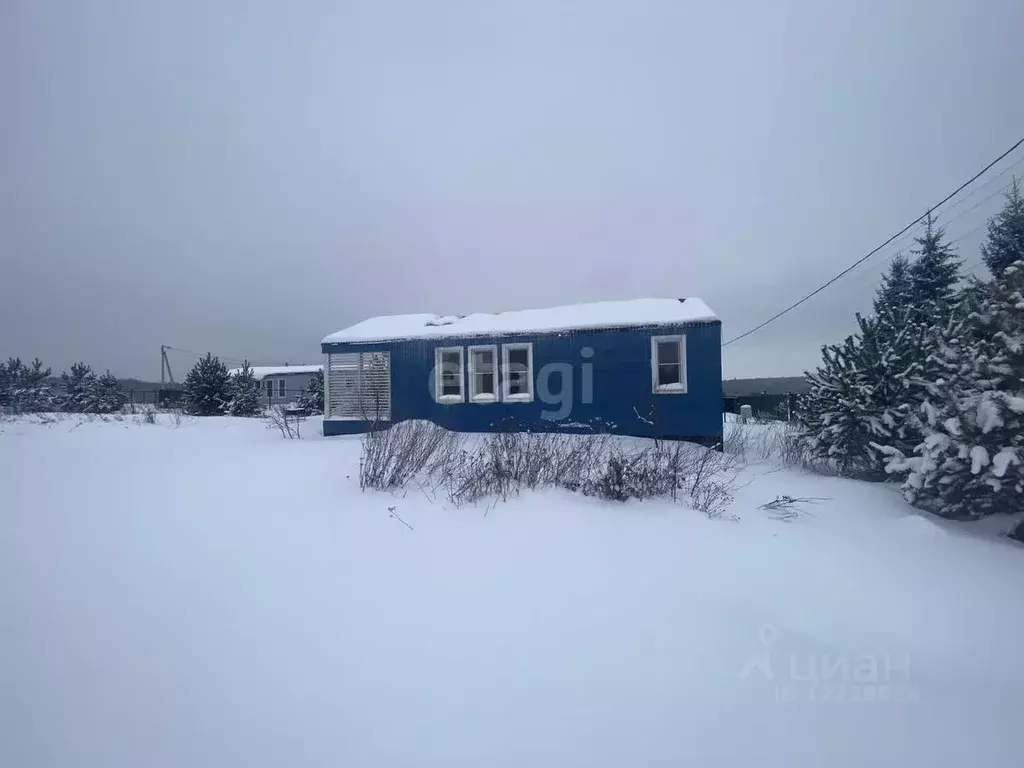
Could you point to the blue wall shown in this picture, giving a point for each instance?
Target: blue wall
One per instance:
(622, 401)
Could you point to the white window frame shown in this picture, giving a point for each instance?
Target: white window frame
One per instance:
(483, 397)
(439, 352)
(522, 397)
(282, 388)
(668, 389)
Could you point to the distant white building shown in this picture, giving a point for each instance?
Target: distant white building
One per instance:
(282, 383)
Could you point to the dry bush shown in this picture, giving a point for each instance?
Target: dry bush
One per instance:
(144, 414)
(713, 496)
(772, 441)
(466, 470)
(287, 423)
(393, 456)
(660, 469)
(792, 450)
(737, 440)
(505, 462)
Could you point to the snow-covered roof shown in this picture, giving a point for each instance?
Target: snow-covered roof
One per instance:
(599, 314)
(262, 371)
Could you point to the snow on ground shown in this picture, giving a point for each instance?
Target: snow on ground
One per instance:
(209, 594)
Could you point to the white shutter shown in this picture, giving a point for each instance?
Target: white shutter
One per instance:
(359, 386)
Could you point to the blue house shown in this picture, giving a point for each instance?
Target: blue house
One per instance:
(645, 367)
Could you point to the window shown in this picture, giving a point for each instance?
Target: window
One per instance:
(668, 364)
(281, 387)
(448, 375)
(517, 372)
(270, 387)
(483, 374)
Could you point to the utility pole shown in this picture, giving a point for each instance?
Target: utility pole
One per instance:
(165, 366)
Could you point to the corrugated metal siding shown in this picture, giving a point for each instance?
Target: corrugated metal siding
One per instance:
(620, 370)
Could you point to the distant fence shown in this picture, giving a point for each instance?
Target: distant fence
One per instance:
(164, 398)
(776, 406)
(169, 398)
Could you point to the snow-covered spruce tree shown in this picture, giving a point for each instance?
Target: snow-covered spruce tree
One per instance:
(1005, 242)
(77, 386)
(245, 393)
(312, 398)
(894, 352)
(24, 388)
(207, 388)
(934, 273)
(860, 396)
(106, 395)
(915, 302)
(970, 297)
(7, 381)
(891, 358)
(11, 383)
(895, 293)
(969, 463)
(834, 430)
(37, 394)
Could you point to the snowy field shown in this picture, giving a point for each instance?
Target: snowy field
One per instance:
(209, 594)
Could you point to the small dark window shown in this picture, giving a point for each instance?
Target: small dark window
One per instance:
(668, 353)
(281, 387)
(270, 387)
(482, 382)
(449, 363)
(517, 373)
(668, 364)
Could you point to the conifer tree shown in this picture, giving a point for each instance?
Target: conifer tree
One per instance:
(207, 388)
(969, 463)
(1005, 242)
(24, 388)
(835, 431)
(77, 386)
(312, 398)
(245, 393)
(7, 378)
(895, 293)
(38, 395)
(106, 395)
(865, 385)
(934, 273)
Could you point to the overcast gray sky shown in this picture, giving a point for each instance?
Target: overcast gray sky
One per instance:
(245, 177)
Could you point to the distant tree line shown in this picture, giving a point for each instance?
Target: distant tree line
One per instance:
(31, 389)
(209, 390)
(930, 389)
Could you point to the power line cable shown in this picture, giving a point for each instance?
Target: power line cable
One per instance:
(203, 354)
(980, 187)
(878, 248)
(947, 222)
(965, 211)
(938, 218)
